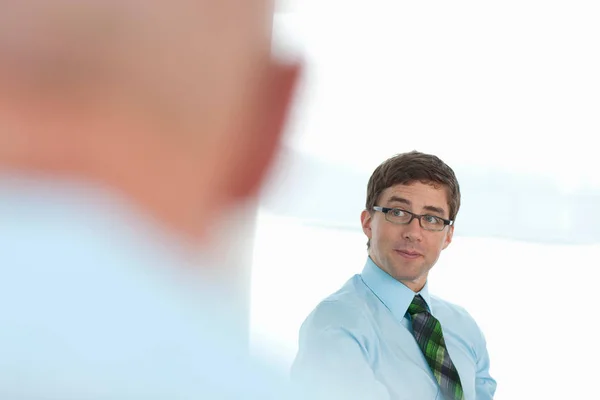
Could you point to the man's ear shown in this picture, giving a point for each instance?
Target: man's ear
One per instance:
(365, 220)
(258, 145)
(449, 236)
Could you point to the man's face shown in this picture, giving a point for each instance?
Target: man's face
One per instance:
(407, 252)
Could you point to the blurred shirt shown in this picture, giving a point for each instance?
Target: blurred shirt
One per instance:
(359, 343)
(97, 303)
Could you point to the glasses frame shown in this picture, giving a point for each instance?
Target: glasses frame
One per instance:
(387, 210)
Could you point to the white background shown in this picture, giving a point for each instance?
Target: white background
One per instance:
(508, 94)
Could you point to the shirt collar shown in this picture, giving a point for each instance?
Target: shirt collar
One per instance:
(393, 294)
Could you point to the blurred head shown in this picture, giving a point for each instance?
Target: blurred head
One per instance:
(421, 184)
(177, 104)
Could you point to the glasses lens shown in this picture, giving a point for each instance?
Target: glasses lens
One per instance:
(432, 223)
(398, 216)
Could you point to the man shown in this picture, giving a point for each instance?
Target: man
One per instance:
(128, 131)
(382, 335)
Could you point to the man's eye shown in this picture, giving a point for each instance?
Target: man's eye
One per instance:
(396, 212)
(430, 219)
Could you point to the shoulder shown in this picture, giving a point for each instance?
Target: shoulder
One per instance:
(347, 308)
(92, 297)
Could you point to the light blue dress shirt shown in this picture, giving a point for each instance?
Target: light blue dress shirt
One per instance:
(358, 344)
(97, 303)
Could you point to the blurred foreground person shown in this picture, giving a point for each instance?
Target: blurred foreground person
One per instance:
(128, 131)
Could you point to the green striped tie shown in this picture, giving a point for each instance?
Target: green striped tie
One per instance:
(428, 332)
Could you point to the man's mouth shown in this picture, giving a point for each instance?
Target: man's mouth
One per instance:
(410, 254)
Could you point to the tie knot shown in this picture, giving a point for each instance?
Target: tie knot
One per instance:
(417, 306)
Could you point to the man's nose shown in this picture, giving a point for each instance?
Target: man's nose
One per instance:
(413, 231)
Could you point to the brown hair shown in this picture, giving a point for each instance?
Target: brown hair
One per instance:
(414, 166)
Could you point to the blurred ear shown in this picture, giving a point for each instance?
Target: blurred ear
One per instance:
(259, 143)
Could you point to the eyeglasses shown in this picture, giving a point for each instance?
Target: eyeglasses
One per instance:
(403, 217)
